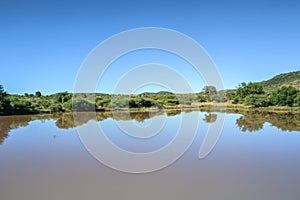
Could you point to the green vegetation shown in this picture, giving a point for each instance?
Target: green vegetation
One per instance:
(281, 90)
(34, 104)
(4, 103)
(253, 95)
(210, 94)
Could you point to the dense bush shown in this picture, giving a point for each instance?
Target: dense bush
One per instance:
(245, 90)
(285, 96)
(38, 94)
(256, 100)
(252, 94)
(297, 100)
(83, 106)
(4, 103)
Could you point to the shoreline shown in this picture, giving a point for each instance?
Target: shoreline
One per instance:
(214, 107)
(202, 107)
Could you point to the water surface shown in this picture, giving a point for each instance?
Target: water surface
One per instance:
(256, 157)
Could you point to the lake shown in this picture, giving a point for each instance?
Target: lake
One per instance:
(257, 156)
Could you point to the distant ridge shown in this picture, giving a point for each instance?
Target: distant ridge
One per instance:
(164, 92)
(160, 92)
(285, 79)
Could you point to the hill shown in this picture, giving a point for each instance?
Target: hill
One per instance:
(164, 92)
(285, 79)
(154, 93)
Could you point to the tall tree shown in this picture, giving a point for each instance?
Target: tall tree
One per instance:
(285, 96)
(4, 102)
(245, 90)
(38, 94)
(210, 90)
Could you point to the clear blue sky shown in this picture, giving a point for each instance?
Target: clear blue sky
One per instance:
(43, 43)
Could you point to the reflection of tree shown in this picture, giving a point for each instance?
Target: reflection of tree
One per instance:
(210, 118)
(253, 121)
(250, 121)
(72, 120)
(249, 124)
(142, 116)
(3, 136)
(138, 115)
(173, 112)
(8, 123)
(286, 122)
(67, 120)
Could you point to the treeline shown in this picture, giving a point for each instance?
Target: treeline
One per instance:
(251, 94)
(34, 103)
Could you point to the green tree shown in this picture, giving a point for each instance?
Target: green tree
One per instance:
(68, 105)
(103, 102)
(38, 94)
(146, 102)
(245, 90)
(120, 102)
(5, 107)
(219, 97)
(63, 97)
(285, 96)
(82, 105)
(19, 106)
(132, 103)
(55, 108)
(256, 100)
(202, 98)
(210, 90)
(297, 99)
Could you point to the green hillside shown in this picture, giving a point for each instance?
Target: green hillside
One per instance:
(286, 79)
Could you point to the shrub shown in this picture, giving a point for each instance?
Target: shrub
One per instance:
(256, 100)
(284, 96)
(83, 105)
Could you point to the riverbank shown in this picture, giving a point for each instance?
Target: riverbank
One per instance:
(203, 106)
(241, 107)
(212, 107)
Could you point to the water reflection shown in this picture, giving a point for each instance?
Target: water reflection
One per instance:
(254, 121)
(8, 123)
(66, 121)
(249, 121)
(210, 117)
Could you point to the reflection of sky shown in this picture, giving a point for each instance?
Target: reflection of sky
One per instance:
(269, 141)
(243, 165)
(40, 135)
(121, 139)
(45, 133)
